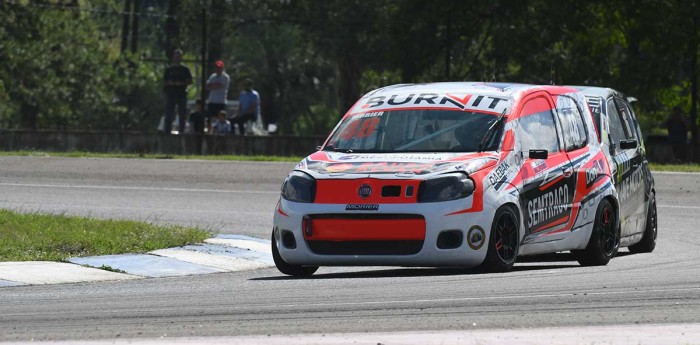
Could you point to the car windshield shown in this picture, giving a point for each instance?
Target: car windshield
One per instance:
(416, 131)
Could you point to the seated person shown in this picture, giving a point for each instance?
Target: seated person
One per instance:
(221, 125)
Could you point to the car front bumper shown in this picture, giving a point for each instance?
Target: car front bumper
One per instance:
(392, 235)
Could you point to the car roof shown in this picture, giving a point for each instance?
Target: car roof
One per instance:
(453, 95)
(597, 91)
(509, 90)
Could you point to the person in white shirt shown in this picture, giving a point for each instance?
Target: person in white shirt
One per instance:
(218, 89)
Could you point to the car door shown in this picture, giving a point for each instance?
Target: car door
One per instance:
(627, 164)
(575, 138)
(547, 178)
(634, 180)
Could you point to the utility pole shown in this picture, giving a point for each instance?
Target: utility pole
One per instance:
(448, 46)
(203, 89)
(125, 25)
(172, 28)
(136, 15)
(694, 86)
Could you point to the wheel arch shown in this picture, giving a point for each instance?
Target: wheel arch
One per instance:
(519, 213)
(616, 206)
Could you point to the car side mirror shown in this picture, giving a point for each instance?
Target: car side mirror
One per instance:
(628, 144)
(538, 154)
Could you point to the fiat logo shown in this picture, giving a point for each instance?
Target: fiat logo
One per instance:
(364, 191)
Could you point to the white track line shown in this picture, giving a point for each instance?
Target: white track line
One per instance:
(680, 206)
(138, 188)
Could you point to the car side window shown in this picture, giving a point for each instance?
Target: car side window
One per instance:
(618, 131)
(595, 104)
(572, 126)
(626, 116)
(537, 129)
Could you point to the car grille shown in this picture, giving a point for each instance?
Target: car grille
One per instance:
(366, 234)
(365, 247)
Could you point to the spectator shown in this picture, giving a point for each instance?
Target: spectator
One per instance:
(677, 126)
(177, 78)
(197, 117)
(221, 126)
(248, 107)
(218, 89)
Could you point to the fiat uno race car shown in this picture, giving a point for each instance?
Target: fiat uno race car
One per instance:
(623, 146)
(451, 174)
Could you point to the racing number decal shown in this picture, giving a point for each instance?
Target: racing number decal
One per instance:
(360, 129)
(350, 130)
(368, 127)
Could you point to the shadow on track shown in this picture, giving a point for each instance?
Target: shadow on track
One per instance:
(417, 272)
(524, 263)
(557, 257)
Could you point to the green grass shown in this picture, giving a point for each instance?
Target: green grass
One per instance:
(81, 154)
(693, 167)
(34, 237)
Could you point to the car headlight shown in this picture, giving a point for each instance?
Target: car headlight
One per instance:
(445, 187)
(299, 187)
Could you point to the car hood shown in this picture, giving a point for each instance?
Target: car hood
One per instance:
(391, 165)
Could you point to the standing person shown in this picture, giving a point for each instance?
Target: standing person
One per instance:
(218, 89)
(221, 125)
(197, 117)
(248, 107)
(177, 78)
(677, 126)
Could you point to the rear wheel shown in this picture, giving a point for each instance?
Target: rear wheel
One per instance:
(648, 242)
(605, 237)
(503, 241)
(289, 269)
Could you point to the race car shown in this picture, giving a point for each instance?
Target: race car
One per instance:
(623, 145)
(454, 174)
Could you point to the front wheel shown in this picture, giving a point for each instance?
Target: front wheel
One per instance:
(289, 269)
(648, 242)
(605, 237)
(504, 241)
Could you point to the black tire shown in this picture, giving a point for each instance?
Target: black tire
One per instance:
(504, 241)
(605, 237)
(648, 242)
(289, 269)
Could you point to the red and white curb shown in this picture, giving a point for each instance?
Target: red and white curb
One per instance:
(224, 253)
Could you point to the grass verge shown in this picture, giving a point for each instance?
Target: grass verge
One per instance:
(38, 237)
(693, 167)
(152, 156)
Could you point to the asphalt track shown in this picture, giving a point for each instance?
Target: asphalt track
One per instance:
(238, 197)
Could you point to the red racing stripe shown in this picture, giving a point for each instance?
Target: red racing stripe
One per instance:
(366, 229)
(550, 183)
(553, 224)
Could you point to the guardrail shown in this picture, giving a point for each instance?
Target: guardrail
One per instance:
(155, 143)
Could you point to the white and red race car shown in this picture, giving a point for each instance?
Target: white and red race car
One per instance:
(451, 174)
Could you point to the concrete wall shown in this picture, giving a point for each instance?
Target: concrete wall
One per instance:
(130, 142)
